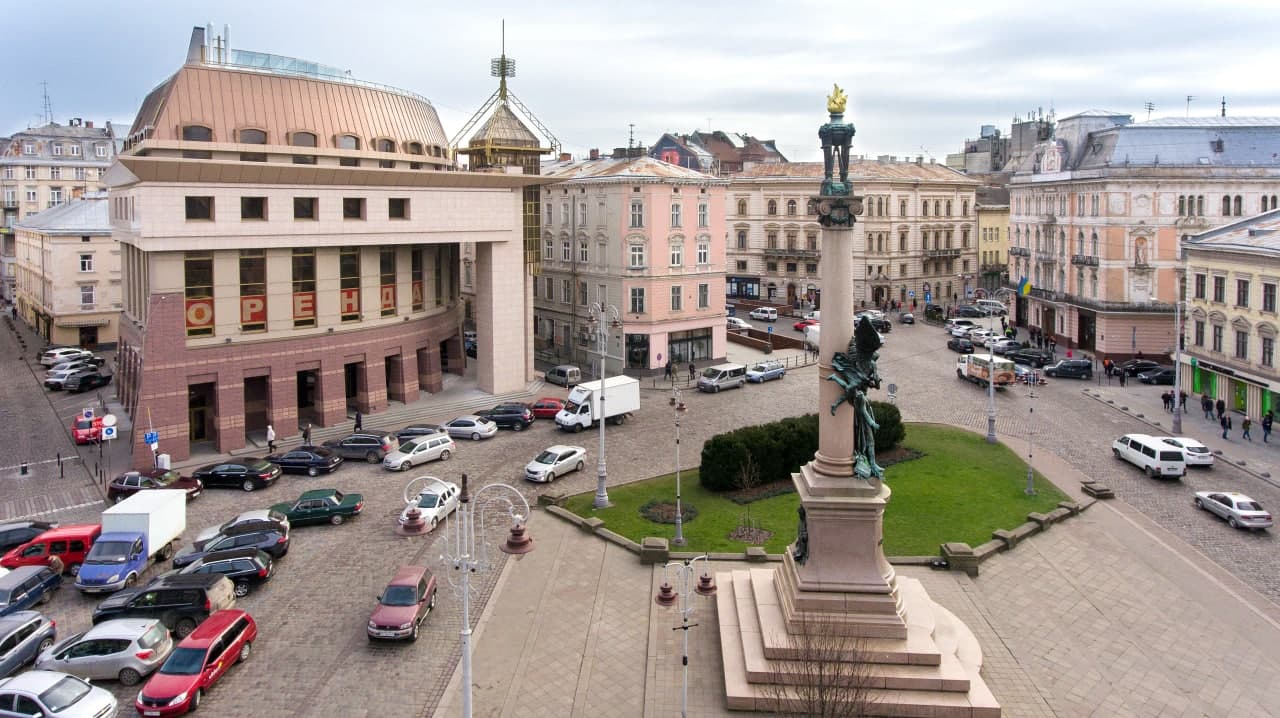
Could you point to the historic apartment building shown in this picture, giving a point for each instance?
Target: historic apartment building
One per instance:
(290, 251)
(43, 167)
(992, 212)
(644, 236)
(1231, 326)
(1098, 212)
(68, 273)
(918, 230)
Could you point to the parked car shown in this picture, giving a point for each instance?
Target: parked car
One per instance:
(249, 473)
(567, 375)
(968, 310)
(367, 446)
(800, 325)
(882, 325)
(23, 636)
(1033, 357)
(56, 379)
(1134, 367)
(1071, 368)
(247, 567)
(960, 344)
(27, 586)
(50, 693)
(179, 602)
(86, 431)
(321, 506)
(555, 461)
(131, 482)
(546, 407)
(979, 336)
(125, 649)
(906, 318)
(413, 431)
(471, 427)
(1150, 454)
(1239, 510)
(62, 548)
(417, 451)
(202, 658)
(309, 460)
(952, 323)
(763, 371)
(735, 324)
(509, 416)
(1006, 345)
(86, 380)
(1195, 453)
(16, 533)
(1163, 375)
(962, 330)
(267, 536)
(63, 354)
(403, 605)
(765, 314)
(435, 503)
(247, 517)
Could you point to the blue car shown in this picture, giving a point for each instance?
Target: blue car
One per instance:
(27, 586)
(764, 371)
(23, 636)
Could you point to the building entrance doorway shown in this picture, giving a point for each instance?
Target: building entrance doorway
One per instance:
(351, 381)
(88, 337)
(257, 402)
(200, 404)
(1049, 322)
(1086, 329)
(306, 385)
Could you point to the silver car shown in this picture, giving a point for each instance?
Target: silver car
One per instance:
(555, 461)
(246, 517)
(1239, 510)
(23, 635)
(57, 694)
(471, 427)
(123, 649)
(419, 451)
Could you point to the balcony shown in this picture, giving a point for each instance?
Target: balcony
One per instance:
(947, 253)
(1019, 252)
(992, 267)
(1049, 218)
(780, 252)
(1046, 256)
(10, 204)
(1084, 260)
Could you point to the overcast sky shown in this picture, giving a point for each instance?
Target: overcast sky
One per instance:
(921, 76)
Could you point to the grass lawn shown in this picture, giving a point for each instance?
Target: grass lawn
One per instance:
(962, 489)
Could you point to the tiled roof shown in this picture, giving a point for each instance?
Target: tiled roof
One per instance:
(85, 216)
(620, 169)
(860, 170)
(1257, 234)
(504, 128)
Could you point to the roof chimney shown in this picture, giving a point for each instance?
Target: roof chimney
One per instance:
(919, 159)
(595, 153)
(88, 124)
(565, 157)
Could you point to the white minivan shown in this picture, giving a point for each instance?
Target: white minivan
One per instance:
(1150, 454)
(992, 307)
(768, 314)
(722, 376)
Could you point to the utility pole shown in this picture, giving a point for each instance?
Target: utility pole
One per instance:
(1189, 99)
(1149, 107)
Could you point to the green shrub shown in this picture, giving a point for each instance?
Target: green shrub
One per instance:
(891, 431)
(722, 457)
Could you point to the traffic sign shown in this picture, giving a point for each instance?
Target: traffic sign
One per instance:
(108, 433)
(152, 438)
(928, 298)
(154, 446)
(87, 412)
(109, 420)
(770, 328)
(911, 293)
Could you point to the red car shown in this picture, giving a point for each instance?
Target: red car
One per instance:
(131, 482)
(84, 430)
(800, 325)
(546, 407)
(222, 640)
(404, 604)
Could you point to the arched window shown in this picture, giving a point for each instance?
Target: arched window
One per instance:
(197, 133)
(1079, 288)
(348, 142)
(1037, 239)
(791, 208)
(879, 206)
(303, 139)
(252, 137)
(742, 239)
(742, 206)
(773, 206)
(1239, 205)
(902, 208)
(386, 146)
(1062, 281)
(964, 208)
(1200, 205)
(1093, 239)
(1182, 205)
(948, 208)
(413, 148)
(1093, 284)
(924, 208)
(1226, 206)
(937, 208)
(1080, 242)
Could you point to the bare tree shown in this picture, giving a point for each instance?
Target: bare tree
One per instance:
(747, 479)
(829, 675)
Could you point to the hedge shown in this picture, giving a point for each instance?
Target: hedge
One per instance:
(778, 449)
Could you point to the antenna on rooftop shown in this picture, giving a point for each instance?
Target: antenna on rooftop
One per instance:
(631, 137)
(503, 67)
(1224, 105)
(1149, 107)
(48, 106)
(1189, 99)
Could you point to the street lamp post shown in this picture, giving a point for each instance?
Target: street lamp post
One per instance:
(1031, 479)
(604, 317)
(467, 552)
(667, 596)
(677, 402)
(1177, 361)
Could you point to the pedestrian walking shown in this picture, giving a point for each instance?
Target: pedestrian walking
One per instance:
(271, 440)
(667, 370)
(306, 435)
(1244, 428)
(1124, 376)
(1266, 427)
(1222, 409)
(1182, 401)
(1164, 400)
(1206, 405)
(693, 370)
(359, 421)
(1225, 422)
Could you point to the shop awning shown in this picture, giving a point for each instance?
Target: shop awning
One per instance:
(73, 322)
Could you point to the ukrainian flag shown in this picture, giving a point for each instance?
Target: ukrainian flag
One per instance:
(1024, 286)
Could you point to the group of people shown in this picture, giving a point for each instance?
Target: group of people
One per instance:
(669, 371)
(1210, 408)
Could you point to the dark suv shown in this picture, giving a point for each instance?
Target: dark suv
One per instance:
(246, 567)
(86, 380)
(1071, 368)
(509, 416)
(1027, 355)
(179, 602)
(266, 536)
(16, 533)
(369, 447)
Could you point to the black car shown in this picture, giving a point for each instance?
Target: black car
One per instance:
(179, 602)
(309, 460)
(1161, 375)
(969, 311)
(16, 533)
(906, 318)
(1034, 357)
(362, 445)
(86, 380)
(509, 416)
(247, 473)
(246, 567)
(1134, 367)
(880, 324)
(266, 536)
(960, 344)
(1071, 368)
(413, 431)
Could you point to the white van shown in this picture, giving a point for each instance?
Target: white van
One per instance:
(768, 314)
(722, 376)
(564, 375)
(1150, 454)
(992, 307)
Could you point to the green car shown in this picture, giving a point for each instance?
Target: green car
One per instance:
(321, 506)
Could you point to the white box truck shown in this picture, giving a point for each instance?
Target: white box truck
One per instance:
(583, 409)
(142, 528)
(977, 368)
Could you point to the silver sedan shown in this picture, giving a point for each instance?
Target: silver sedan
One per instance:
(1239, 510)
(123, 649)
(471, 427)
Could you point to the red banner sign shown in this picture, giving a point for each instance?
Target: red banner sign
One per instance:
(304, 305)
(388, 296)
(253, 308)
(349, 302)
(200, 313)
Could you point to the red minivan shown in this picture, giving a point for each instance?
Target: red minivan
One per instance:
(62, 549)
(222, 640)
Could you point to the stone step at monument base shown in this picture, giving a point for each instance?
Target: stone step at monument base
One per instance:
(933, 672)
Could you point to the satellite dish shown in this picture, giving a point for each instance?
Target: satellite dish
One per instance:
(109, 420)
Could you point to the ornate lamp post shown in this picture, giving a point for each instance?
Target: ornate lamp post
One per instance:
(604, 317)
(414, 524)
(467, 552)
(677, 402)
(667, 596)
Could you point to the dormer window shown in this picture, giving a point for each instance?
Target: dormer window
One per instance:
(197, 133)
(348, 142)
(386, 146)
(252, 137)
(303, 139)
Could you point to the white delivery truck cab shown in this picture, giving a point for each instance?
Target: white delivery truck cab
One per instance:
(585, 407)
